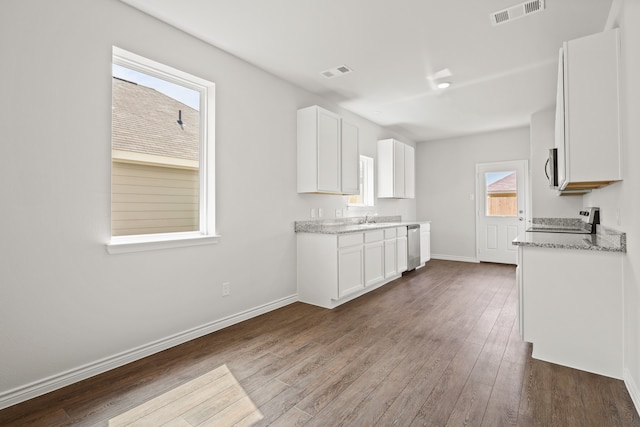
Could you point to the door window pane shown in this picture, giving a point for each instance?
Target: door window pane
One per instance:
(501, 193)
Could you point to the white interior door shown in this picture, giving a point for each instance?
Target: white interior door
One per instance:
(501, 203)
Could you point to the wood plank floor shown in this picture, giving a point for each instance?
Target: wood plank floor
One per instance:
(440, 346)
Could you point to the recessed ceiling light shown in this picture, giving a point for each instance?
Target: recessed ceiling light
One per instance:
(443, 85)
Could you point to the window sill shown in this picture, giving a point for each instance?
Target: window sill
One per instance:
(142, 243)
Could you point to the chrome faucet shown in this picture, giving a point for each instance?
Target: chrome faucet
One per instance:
(367, 219)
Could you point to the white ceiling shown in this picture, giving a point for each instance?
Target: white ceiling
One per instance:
(500, 74)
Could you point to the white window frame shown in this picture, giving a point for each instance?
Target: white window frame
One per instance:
(366, 190)
(206, 233)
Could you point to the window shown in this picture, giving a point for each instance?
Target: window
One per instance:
(365, 198)
(501, 191)
(161, 155)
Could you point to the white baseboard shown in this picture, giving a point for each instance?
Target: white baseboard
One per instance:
(454, 258)
(54, 382)
(632, 387)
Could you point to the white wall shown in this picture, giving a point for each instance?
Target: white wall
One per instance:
(445, 180)
(545, 202)
(624, 196)
(64, 302)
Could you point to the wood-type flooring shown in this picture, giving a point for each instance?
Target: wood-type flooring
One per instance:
(438, 347)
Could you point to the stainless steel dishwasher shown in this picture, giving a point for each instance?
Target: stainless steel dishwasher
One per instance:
(413, 243)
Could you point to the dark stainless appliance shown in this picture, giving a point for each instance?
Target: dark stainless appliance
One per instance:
(413, 242)
(591, 218)
(551, 168)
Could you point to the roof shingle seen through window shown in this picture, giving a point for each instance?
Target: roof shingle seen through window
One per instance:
(503, 185)
(146, 121)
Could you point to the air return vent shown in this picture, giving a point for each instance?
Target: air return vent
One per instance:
(516, 12)
(335, 72)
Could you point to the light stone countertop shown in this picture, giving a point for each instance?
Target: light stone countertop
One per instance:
(606, 239)
(351, 225)
(589, 242)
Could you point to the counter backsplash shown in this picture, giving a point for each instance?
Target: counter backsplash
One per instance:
(614, 236)
(558, 222)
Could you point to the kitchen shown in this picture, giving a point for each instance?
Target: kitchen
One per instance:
(74, 300)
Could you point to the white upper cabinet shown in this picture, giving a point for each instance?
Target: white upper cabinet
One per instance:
(350, 158)
(328, 153)
(409, 172)
(396, 170)
(588, 112)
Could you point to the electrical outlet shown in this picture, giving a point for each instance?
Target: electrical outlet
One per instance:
(226, 289)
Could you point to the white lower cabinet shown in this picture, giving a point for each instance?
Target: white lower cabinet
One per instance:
(425, 242)
(390, 253)
(570, 307)
(333, 269)
(373, 257)
(402, 254)
(350, 270)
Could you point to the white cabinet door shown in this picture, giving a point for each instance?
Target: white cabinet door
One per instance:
(329, 151)
(402, 254)
(390, 261)
(350, 159)
(425, 246)
(373, 263)
(350, 270)
(318, 151)
(385, 168)
(519, 317)
(398, 169)
(409, 172)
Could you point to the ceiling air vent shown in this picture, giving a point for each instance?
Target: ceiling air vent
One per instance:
(335, 72)
(516, 12)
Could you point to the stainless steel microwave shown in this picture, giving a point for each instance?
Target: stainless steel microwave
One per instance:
(551, 168)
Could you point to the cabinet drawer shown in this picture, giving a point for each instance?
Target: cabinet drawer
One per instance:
(349, 240)
(389, 233)
(402, 231)
(373, 236)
